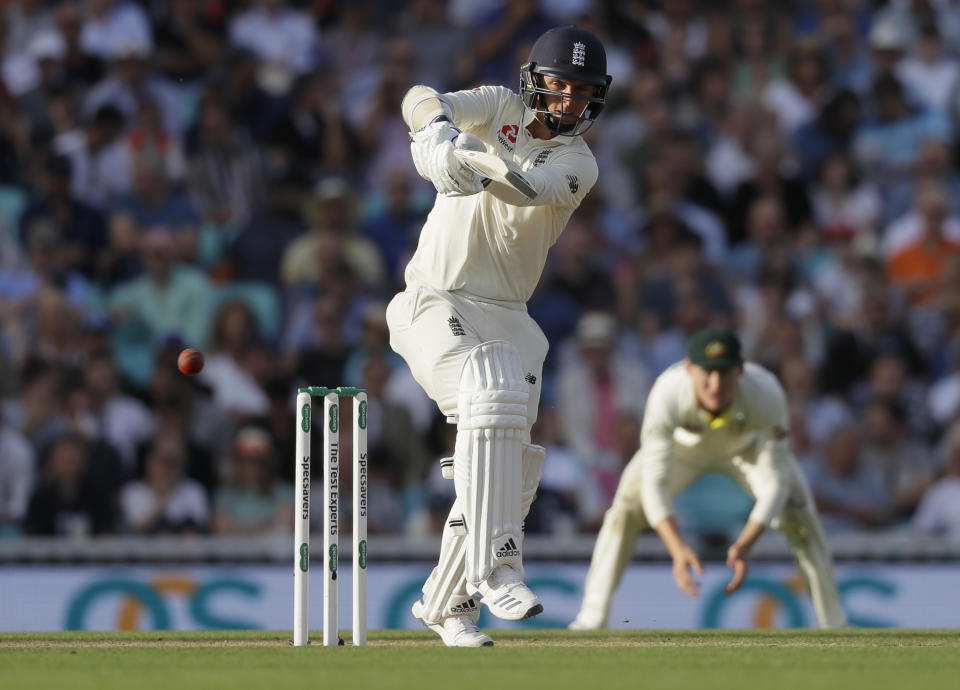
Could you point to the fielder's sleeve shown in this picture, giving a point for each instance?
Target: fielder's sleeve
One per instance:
(774, 456)
(656, 451)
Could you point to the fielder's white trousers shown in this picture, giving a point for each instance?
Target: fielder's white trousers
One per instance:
(625, 519)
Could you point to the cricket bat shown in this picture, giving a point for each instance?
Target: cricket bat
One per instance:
(506, 180)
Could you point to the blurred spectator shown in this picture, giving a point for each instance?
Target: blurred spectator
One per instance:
(929, 75)
(889, 142)
(905, 462)
(312, 136)
(189, 36)
(757, 62)
(122, 420)
(154, 202)
(226, 174)
(830, 133)
(17, 475)
(283, 38)
(98, 173)
(888, 379)
(795, 99)
(373, 342)
(25, 19)
(110, 24)
(939, 509)
(596, 386)
(395, 225)
(81, 67)
(849, 491)
(186, 409)
(131, 82)
(66, 501)
(148, 139)
(771, 179)
(842, 203)
(391, 435)
(686, 274)
(164, 501)
(47, 49)
(81, 235)
(234, 388)
(168, 299)
(568, 498)
(383, 135)
(917, 264)
(332, 240)
(851, 350)
(254, 500)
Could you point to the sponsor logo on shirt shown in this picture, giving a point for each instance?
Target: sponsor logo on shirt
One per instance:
(531, 379)
(573, 183)
(508, 136)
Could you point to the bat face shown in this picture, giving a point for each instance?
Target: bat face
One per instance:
(495, 169)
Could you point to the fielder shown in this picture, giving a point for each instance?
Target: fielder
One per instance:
(462, 324)
(712, 413)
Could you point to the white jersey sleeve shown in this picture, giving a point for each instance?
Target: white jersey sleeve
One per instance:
(661, 417)
(474, 109)
(767, 409)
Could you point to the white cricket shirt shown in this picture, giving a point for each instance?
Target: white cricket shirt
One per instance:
(754, 428)
(482, 246)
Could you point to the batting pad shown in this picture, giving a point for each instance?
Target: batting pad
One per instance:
(533, 457)
(488, 459)
(444, 592)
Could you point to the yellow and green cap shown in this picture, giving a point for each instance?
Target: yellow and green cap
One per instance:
(715, 348)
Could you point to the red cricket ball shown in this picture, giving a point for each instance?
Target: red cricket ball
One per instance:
(190, 361)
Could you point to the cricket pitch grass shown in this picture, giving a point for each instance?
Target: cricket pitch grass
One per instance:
(522, 659)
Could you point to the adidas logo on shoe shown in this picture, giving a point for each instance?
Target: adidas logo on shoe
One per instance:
(508, 550)
(469, 606)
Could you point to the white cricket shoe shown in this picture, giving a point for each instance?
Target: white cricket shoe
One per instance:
(455, 631)
(506, 596)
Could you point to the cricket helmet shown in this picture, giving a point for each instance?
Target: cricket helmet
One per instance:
(572, 53)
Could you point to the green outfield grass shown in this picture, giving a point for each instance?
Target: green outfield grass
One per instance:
(552, 659)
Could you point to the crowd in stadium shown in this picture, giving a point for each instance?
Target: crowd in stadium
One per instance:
(235, 176)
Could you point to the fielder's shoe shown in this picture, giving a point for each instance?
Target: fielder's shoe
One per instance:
(456, 631)
(506, 596)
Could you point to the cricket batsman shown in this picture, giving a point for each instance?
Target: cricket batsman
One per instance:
(462, 325)
(712, 413)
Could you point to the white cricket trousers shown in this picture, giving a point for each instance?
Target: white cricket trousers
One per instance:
(625, 519)
(433, 330)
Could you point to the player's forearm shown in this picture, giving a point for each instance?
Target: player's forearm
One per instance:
(670, 534)
(656, 456)
(774, 461)
(749, 535)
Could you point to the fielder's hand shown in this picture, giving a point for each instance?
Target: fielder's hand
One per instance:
(736, 559)
(685, 562)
